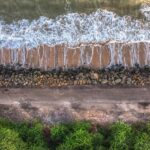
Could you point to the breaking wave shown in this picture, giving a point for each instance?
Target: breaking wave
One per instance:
(75, 28)
(145, 10)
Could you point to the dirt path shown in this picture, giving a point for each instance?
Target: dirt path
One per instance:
(92, 103)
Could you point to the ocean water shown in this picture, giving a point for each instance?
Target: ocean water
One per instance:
(100, 21)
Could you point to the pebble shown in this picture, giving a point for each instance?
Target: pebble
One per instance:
(33, 78)
(118, 81)
(104, 81)
(94, 76)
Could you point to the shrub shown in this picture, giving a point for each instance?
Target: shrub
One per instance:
(58, 133)
(34, 147)
(148, 127)
(32, 134)
(79, 140)
(81, 125)
(142, 142)
(120, 134)
(76, 135)
(7, 123)
(35, 134)
(10, 140)
(23, 129)
(73, 136)
(98, 140)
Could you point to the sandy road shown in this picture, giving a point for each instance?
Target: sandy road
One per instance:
(91, 103)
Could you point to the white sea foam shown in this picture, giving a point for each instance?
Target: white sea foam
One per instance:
(75, 28)
(145, 10)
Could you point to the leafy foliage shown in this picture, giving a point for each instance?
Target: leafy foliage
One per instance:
(59, 132)
(73, 136)
(142, 142)
(29, 133)
(32, 134)
(10, 140)
(81, 125)
(78, 140)
(98, 140)
(120, 136)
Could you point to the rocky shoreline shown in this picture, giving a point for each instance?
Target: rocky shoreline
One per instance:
(19, 77)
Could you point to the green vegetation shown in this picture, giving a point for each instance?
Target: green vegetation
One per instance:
(74, 136)
(120, 135)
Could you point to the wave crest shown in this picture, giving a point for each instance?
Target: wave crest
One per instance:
(75, 28)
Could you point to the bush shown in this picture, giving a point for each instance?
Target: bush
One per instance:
(58, 133)
(98, 141)
(7, 123)
(23, 129)
(142, 142)
(79, 140)
(148, 127)
(34, 147)
(10, 140)
(73, 136)
(76, 136)
(81, 125)
(120, 134)
(32, 134)
(35, 136)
